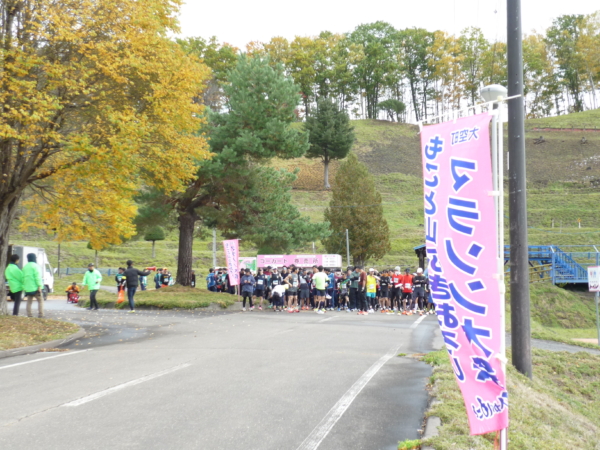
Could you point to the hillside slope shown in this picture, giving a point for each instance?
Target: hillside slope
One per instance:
(563, 176)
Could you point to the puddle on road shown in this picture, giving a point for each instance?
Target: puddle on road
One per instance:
(99, 335)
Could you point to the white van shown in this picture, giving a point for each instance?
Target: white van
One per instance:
(42, 260)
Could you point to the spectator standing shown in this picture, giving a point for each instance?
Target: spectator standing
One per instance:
(119, 279)
(193, 280)
(165, 277)
(131, 278)
(247, 282)
(157, 278)
(32, 284)
(14, 277)
(92, 279)
(143, 283)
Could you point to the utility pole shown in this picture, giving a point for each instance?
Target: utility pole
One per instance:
(519, 251)
(214, 248)
(347, 248)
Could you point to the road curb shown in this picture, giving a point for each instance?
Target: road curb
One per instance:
(237, 306)
(432, 425)
(38, 347)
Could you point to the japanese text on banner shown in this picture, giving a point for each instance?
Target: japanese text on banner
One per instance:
(232, 255)
(461, 237)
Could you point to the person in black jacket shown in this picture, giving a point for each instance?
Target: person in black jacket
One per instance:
(131, 277)
(419, 283)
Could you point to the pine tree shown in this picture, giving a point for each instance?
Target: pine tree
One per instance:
(330, 134)
(356, 206)
(255, 127)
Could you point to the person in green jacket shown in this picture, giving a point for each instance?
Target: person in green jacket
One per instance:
(33, 285)
(14, 276)
(92, 279)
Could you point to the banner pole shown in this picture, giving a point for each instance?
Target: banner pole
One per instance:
(597, 316)
(501, 283)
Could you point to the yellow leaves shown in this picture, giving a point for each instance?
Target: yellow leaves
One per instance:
(108, 98)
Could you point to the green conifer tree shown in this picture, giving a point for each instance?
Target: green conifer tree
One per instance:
(330, 134)
(356, 206)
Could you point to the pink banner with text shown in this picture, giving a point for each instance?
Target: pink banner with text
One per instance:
(461, 236)
(330, 261)
(232, 255)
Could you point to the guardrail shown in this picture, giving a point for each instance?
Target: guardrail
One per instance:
(538, 274)
(81, 271)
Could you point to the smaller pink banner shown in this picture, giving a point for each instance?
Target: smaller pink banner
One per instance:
(232, 254)
(330, 261)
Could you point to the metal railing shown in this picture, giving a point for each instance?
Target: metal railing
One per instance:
(538, 274)
(81, 271)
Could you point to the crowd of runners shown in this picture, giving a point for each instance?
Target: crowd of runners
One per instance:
(321, 289)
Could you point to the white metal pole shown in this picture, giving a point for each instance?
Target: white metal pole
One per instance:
(347, 248)
(597, 317)
(214, 249)
(500, 188)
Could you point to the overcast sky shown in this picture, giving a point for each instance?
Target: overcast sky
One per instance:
(241, 21)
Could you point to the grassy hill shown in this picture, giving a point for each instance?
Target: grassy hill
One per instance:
(563, 177)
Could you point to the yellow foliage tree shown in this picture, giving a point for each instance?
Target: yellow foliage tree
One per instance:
(96, 100)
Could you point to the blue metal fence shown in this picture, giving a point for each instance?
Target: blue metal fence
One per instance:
(77, 270)
(569, 262)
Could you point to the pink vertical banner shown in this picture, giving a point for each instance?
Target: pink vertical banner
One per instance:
(461, 236)
(232, 255)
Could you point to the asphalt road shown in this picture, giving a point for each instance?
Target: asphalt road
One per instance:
(253, 380)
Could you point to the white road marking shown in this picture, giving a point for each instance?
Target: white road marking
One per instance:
(46, 359)
(109, 391)
(325, 320)
(417, 322)
(321, 431)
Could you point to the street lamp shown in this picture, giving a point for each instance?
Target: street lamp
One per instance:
(494, 92)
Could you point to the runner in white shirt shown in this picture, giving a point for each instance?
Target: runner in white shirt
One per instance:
(278, 296)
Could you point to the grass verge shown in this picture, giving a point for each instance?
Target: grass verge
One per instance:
(560, 315)
(558, 409)
(19, 331)
(172, 297)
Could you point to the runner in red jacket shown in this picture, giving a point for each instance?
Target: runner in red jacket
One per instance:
(407, 289)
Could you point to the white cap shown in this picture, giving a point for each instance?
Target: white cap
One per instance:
(397, 269)
(371, 270)
(419, 270)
